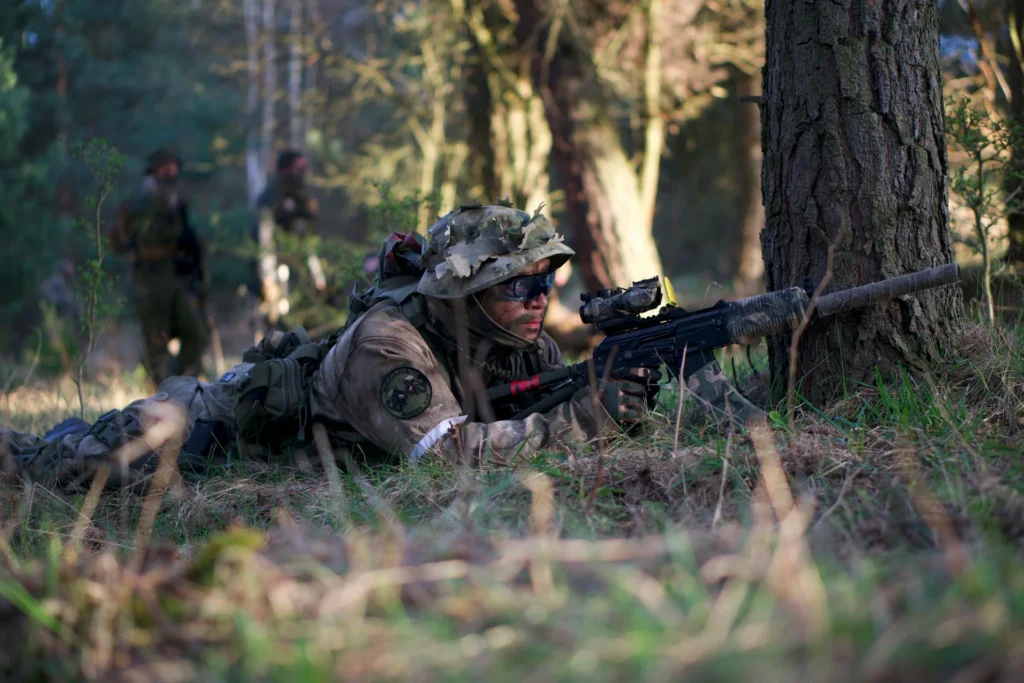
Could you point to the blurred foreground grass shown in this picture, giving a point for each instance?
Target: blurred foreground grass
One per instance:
(879, 541)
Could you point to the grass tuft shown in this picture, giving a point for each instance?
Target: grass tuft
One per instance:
(878, 540)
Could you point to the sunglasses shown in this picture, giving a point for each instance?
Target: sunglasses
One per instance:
(526, 287)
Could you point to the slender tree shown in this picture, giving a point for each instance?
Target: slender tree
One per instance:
(509, 132)
(1014, 49)
(854, 180)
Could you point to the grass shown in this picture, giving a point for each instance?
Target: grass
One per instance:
(878, 540)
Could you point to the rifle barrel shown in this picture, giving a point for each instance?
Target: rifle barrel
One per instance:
(857, 297)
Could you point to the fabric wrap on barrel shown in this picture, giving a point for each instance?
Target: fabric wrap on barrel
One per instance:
(766, 314)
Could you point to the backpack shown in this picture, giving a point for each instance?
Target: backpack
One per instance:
(274, 408)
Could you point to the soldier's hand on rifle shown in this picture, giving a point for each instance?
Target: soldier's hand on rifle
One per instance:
(651, 380)
(621, 398)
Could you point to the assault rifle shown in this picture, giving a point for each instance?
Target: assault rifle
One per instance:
(634, 341)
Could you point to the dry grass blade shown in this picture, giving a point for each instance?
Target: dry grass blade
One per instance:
(930, 508)
(599, 413)
(792, 575)
(679, 416)
(542, 523)
(339, 500)
(165, 437)
(794, 343)
(88, 508)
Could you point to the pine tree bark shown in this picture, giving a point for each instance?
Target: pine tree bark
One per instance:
(855, 160)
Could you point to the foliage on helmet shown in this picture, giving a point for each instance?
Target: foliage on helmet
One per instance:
(477, 246)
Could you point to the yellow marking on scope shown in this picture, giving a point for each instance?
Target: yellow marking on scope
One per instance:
(667, 292)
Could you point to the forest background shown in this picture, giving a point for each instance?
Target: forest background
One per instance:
(635, 124)
(872, 534)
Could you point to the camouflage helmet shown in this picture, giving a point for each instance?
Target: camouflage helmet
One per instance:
(477, 246)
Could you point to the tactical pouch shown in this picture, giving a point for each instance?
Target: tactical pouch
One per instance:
(274, 404)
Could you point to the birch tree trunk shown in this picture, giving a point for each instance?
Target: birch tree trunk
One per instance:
(313, 64)
(855, 160)
(295, 73)
(254, 170)
(269, 124)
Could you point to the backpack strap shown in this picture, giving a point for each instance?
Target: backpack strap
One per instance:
(414, 309)
(310, 351)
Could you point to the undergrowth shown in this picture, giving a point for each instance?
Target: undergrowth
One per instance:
(877, 540)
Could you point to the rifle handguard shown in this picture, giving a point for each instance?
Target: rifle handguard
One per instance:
(766, 314)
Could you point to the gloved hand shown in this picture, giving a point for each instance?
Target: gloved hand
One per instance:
(651, 380)
(622, 399)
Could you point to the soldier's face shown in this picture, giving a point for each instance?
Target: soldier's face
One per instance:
(522, 318)
(297, 171)
(168, 172)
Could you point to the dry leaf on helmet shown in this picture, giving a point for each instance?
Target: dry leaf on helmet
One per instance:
(459, 265)
(535, 235)
(465, 257)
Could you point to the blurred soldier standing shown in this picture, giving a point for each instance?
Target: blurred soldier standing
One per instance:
(153, 232)
(286, 205)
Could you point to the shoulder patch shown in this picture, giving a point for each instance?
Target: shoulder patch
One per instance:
(405, 392)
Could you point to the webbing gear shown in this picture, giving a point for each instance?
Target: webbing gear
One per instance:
(114, 433)
(25, 456)
(68, 427)
(274, 405)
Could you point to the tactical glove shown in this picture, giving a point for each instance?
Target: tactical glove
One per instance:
(622, 399)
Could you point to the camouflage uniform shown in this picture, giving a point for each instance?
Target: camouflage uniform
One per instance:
(165, 302)
(467, 251)
(395, 382)
(180, 405)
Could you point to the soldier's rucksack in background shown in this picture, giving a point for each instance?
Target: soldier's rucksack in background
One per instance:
(399, 269)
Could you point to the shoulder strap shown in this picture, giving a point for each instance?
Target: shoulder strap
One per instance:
(310, 351)
(414, 309)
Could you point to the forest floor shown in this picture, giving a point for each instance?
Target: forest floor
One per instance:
(878, 540)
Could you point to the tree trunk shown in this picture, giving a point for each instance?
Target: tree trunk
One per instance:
(508, 124)
(1015, 81)
(521, 140)
(748, 264)
(477, 93)
(430, 137)
(254, 170)
(295, 73)
(609, 207)
(312, 65)
(269, 124)
(855, 157)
